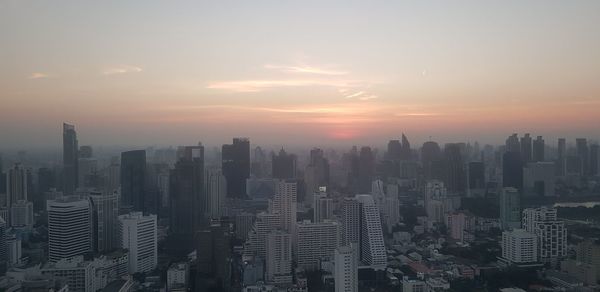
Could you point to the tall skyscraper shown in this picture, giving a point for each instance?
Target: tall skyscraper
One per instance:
(346, 269)
(435, 195)
(476, 178)
(138, 236)
(133, 180)
(186, 195)
(583, 153)
(279, 258)
(372, 248)
(455, 178)
(69, 228)
(431, 158)
(316, 174)
(510, 208)
(561, 164)
(526, 149)
(323, 207)
(539, 179)
(394, 150)
(215, 258)
(284, 203)
(512, 170)
(215, 192)
(283, 165)
(105, 212)
(235, 164)
(594, 159)
(350, 221)
(70, 159)
(316, 242)
(513, 144)
(366, 169)
(16, 185)
(539, 148)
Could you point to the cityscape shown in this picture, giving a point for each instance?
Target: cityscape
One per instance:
(300, 146)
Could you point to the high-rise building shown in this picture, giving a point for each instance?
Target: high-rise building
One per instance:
(539, 148)
(105, 208)
(372, 248)
(87, 172)
(512, 170)
(435, 195)
(526, 149)
(519, 246)
(431, 160)
(455, 178)
(350, 221)
(595, 159)
(214, 261)
(476, 179)
(323, 207)
(138, 236)
(256, 244)
(346, 269)
(69, 228)
(513, 144)
(394, 150)
(243, 224)
(561, 163)
(284, 204)
(316, 174)
(279, 258)
(551, 232)
(186, 194)
(390, 212)
(510, 208)
(16, 185)
(21, 215)
(283, 165)
(316, 242)
(215, 192)
(539, 179)
(70, 159)
(458, 225)
(583, 153)
(133, 180)
(235, 164)
(366, 169)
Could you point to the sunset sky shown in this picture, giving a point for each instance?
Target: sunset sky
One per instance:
(304, 72)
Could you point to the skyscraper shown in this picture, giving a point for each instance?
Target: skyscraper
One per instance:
(431, 157)
(513, 144)
(526, 149)
(69, 228)
(16, 185)
(284, 203)
(133, 180)
(316, 242)
(70, 159)
(346, 269)
(279, 258)
(316, 174)
(366, 169)
(138, 236)
(350, 221)
(583, 154)
(476, 178)
(235, 165)
(455, 177)
(215, 258)
(512, 170)
(510, 208)
(594, 159)
(372, 248)
(538, 149)
(105, 212)
(561, 164)
(215, 192)
(323, 207)
(283, 165)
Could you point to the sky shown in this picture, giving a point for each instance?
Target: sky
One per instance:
(297, 72)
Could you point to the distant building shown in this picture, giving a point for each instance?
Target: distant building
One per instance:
(133, 180)
(279, 258)
(372, 248)
(316, 242)
(105, 207)
(323, 207)
(21, 214)
(215, 192)
(346, 269)
(539, 148)
(283, 165)
(70, 159)
(539, 179)
(69, 228)
(510, 208)
(519, 246)
(551, 232)
(512, 170)
(236, 166)
(178, 276)
(138, 236)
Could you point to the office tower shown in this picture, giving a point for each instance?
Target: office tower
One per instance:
(519, 246)
(510, 208)
(279, 257)
(366, 169)
(538, 179)
(394, 150)
(513, 144)
(435, 195)
(583, 154)
(538, 149)
(512, 170)
(377, 192)
(70, 159)
(236, 166)
(476, 179)
(455, 178)
(21, 215)
(186, 193)
(259, 165)
(346, 269)
(390, 212)
(526, 149)
(215, 192)
(372, 248)
(458, 225)
(283, 165)
(561, 164)
(257, 237)
(16, 185)
(323, 207)
(138, 235)
(431, 158)
(316, 174)
(551, 232)
(105, 212)
(133, 180)
(350, 221)
(243, 224)
(351, 164)
(284, 203)
(405, 153)
(316, 242)
(69, 228)
(87, 172)
(46, 181)
(594, 160)
(214, 259)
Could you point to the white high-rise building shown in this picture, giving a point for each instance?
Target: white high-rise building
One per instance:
(323, 207)
(138, 235)
(69, 228)
(519, 246)
(279, 258)
(21, 214)
(372, 247)
(215, 189)
(346, 269)
(551, 232)
(105, 208)
(284, 203)
(316, 242)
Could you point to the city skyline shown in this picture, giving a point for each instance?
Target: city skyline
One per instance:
(339, 73)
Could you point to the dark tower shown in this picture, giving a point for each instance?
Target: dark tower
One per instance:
(236, 166)
(283, 165)
(133, 179)
(512, 170)
(70, 159)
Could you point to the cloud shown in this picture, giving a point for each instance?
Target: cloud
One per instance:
(263, 84)
(305, 69)
(122, 69)
(38, 75)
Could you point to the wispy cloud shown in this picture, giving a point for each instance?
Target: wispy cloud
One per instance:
(260, 85)
(306, 69)
(38, 75)
(121, 69)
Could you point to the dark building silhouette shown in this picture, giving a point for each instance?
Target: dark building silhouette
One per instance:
(283, 165)
(235, 164)
(366, 169)
(431, 160)
(526, 148)
(512, 170)
(394, 150)
(583, 153)
(594, 162)
(186, 187)
(455, 177)
(214, 271)
(513, 144)
(46, 181)
(351, 163)
(561, 163)
(538, 149)
(405, 154)
(133, 180)
(70, 159)
(85, 152)
(476, 175)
